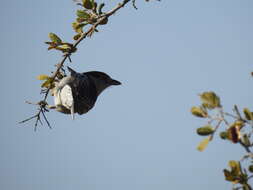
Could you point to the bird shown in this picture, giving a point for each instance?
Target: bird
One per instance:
(78, 92)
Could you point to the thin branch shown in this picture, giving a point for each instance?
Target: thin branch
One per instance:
(42, 107)
(134, 5)
(215, 129)
(238, 112)
(237, 117)
(245, 146)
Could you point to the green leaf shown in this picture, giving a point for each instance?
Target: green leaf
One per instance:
(205, 131)
(42, 77)
(210, 100)
(54, 38)
(82, 14)
(87, 4)
(198, 111)
(203, 144)
(248, 114)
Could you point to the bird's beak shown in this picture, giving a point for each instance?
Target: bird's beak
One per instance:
(114, 82)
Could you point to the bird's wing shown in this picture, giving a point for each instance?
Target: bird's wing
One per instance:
(85, 94)
(67, 100)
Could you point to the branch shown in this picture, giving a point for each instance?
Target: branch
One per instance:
(42, 104)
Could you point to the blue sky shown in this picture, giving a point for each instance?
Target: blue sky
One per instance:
(141, 135)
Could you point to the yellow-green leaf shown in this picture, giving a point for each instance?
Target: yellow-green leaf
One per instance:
(48, 83)
(230, 177)
(210, 100)
(77, 36)
(235, 167)
(205, 131)
(55, 38)
(203, 144)
(198, 111)
(42, 77)
(78, 27)
(248, 114)
(246, 140)
(82, 14)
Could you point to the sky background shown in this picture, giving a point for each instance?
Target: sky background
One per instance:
(140, 135)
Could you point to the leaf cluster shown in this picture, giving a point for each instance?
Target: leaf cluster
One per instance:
(238, 131)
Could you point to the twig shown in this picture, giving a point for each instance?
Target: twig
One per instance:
(42, 107)
(245, 146)
(215, 129)
(134, 5)
(238, 112)
(237, 117)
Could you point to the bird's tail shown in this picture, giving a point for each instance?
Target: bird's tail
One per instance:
(72, 112)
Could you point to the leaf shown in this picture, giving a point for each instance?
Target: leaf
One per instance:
(66, 47)
(48, 83)
(235, 175)
(230, 177)
(246, 140)
(80, 20)
(210, 100)
(87, 4)
(235, 167)
(82, 14)
(54, 38)
(205, 131)
(248, 114)
(77, 36)
(78, 27)
(203, 144)
(100, 7)
(198, 111)
(42, 77)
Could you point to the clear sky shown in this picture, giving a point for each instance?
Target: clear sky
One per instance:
(141, 135)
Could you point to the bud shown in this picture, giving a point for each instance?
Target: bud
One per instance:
(224, 135)
(250, 168)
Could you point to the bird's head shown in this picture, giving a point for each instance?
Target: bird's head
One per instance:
(101, 80)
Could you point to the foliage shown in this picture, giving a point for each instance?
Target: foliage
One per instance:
(236, 128)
